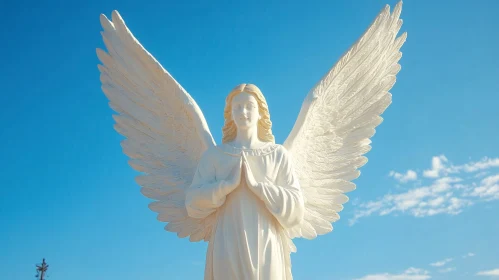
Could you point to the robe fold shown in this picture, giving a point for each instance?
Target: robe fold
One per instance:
(248, 241)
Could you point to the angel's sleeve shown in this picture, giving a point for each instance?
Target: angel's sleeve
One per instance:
(205, 194)
(283, 198)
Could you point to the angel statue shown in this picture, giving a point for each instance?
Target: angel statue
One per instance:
(249, 197)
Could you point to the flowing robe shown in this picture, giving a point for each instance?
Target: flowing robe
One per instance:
(248, 241)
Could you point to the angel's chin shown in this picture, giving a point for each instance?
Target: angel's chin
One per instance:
(244, 125)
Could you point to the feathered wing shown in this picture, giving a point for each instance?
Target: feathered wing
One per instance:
(337, 119)
(166, 132)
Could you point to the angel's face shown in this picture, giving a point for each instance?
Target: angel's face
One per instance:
(245, 111)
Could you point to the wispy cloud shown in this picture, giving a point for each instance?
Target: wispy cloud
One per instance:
(481, 174)
(409, 274)
(412, 273)
(440, 166)
(447, 269)
(449, 190)
(437, 166)
(494, 272)
(488, 188)
(437, 198)
(410, 175)
(468, 255)
(441, 263)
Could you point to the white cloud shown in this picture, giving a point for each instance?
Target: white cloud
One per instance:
(434, 199)
(468, 255)
(444, 194)
(410, 274)
(446, 270)
(483, 164)
(441, 263)
(494, 272)
(440, 167)
(481, 174)
(437, 166)
(488, 188)
(410, 175)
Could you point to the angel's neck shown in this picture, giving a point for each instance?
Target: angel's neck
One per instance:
(247, 138)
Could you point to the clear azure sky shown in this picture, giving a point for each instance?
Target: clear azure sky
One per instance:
(426, 204)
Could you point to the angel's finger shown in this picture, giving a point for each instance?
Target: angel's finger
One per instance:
(241, 161)
(248, 168)
(240, 172)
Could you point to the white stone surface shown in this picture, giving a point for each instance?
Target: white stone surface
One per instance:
(249, 197)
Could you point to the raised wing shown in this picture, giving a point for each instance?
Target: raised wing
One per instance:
(166, 132)
(337, 119)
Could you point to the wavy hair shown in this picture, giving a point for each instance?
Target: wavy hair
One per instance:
(264, 124)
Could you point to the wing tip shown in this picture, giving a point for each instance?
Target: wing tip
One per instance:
(100, 52)
(106, 23)
(103, 17)
(115, 13)
(386, 10)
(398, 6)
(403, 36)
(116, 16)
(154, 206)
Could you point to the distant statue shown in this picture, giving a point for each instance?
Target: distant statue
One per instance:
(249, 197)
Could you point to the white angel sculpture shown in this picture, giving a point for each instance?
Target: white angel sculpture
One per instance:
(249, 197)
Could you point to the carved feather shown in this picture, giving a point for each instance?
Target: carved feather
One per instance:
(338, 118)
(166, 132)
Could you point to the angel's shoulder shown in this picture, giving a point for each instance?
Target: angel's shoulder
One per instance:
(285, 156)
(282, 152)
(211, 152)
(281, 149)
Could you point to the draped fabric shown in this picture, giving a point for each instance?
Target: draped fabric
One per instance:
(248, 241)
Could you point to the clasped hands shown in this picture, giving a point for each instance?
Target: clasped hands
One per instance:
(238, 172)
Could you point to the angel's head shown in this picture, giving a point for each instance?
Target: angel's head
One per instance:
(246, 107)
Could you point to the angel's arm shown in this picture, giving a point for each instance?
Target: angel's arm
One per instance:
(284, 198)
(205, 194)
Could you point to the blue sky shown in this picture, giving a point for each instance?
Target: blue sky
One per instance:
(426, 203)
